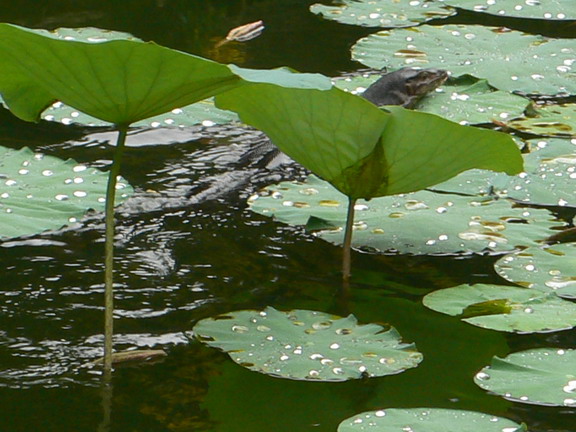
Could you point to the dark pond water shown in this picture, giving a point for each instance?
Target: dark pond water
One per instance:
(179, 261)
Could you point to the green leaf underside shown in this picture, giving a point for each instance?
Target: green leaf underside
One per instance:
(418, 223)
(548, 10)
(545, 269)
(543, 376)
(509, 60)
(307, 345)
(548, 180)
(463, 100)
(363, 151)
(526, 311)
(549, 120)
(39, 192)
(382, 13)
(429, 420)
(117, 81)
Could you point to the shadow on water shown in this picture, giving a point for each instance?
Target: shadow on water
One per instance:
(180, 259)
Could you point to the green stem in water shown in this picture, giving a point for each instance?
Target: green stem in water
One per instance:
(109, 251)
(346, 254)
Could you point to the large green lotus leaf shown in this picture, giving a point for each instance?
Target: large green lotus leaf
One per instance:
(509, 60)
(543, 376)
(534, 9)
(429, 420)
(307, 345)
(549, 120)
(39, 192)
(464, 100)
(383, 13)
(118, 81)
(505, 308)
(200, 113)
(363, 151)
(547, 269)
(419, 223)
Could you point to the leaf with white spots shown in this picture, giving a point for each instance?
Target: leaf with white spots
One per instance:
(509, 60)
(543, 376)
(383, 13)
(419, 223)
(532, 9)
(464, 100)
(546, 269)
(505, 308)
(548, 120)
(39, 192)
(429, 420)
(307, 345)
(201, 113)
(549, 178)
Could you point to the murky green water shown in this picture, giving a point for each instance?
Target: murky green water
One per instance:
(178, 262)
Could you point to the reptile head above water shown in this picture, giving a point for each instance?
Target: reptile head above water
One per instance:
(405, 86)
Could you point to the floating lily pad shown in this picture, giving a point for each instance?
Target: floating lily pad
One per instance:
(549, 120)
(464, 100)
(509, 60)
(532, 9)
(549, 178)
(429, 420)
(545, 269)
(505, 308)
(201, 113)
(383, 13)
(420, 223)
(543, 376)
(39, 192)
(307, 345)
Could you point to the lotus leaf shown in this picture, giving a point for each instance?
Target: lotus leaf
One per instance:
(307, 345)
(117, 81)
(505, 308)
(383, 13)
(419, 223)
(543, 376)
(532, 9)
(363, 151)
(463, 100)
(40, 192)
(509, 60)
(546, 269)
(429, 420)
(549, 178)
(548, 120)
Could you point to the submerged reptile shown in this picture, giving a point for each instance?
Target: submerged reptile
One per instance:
(263, 163)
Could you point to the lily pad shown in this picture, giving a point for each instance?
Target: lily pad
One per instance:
(543, 376)
(201, 113)
(383, 13)
(420, 223)
(549, 120)
(549, 178)
(307, 345)
(546, 269)
(429, 420)
(39, 192)
(505, 308)
(532, 9)
(464, 100)
(509, 60)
